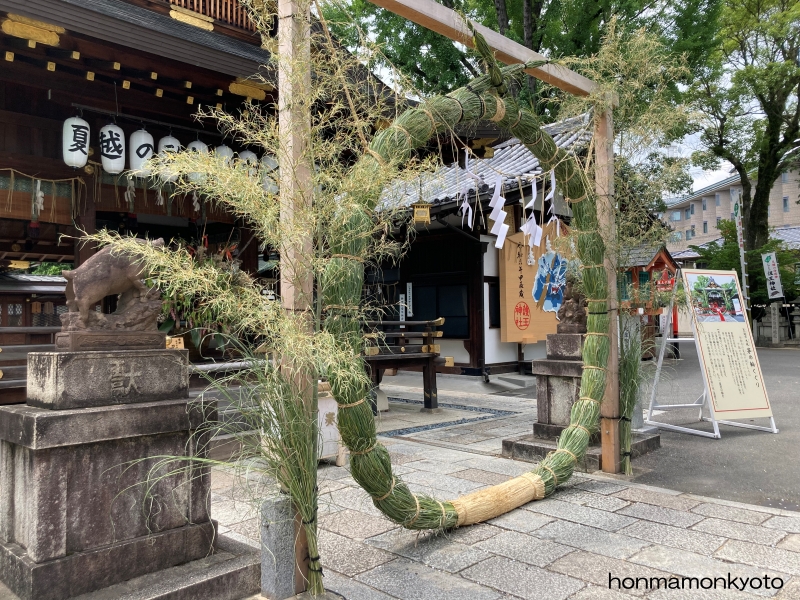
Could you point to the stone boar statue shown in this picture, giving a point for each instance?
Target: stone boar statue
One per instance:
(104, 274)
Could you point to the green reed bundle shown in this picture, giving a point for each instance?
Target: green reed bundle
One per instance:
(370, 464)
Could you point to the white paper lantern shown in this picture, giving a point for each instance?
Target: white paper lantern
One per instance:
(269, 185)
(75, 142)
(268, 163)
(225, 153)
(197, 146)
(168, 144)
(141, 147)
(112, 149)
(251, 159)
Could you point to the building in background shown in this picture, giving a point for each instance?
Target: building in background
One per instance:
(694, 218)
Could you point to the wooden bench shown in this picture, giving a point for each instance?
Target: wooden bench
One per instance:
(390, 345)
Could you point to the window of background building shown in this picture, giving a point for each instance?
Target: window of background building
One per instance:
(705, 226)
(784, 178)
(718, 220)
(691, 208)
(716, 199)
(688, 234)
(687, 213)
(786, 204)
(676, 215)
(704, 204)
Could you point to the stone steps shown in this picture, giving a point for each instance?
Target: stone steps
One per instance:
(232, 573)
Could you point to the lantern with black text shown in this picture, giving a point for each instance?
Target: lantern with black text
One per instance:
(168, 144)
(75, 142)
(140, 149)
(112, 149)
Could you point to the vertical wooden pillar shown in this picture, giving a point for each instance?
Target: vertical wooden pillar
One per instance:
(294, 123)
(604, 185)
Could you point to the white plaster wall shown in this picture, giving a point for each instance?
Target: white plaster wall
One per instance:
(490, 258)
(496, 351)
(454, 348)
(537, 350)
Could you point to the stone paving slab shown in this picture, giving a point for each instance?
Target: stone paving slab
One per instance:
(409, 580)
(598, 569)
(438, 551)
(689, 564)
(521, 580)
(730, 513)
(584, 515)
(740, 531)
(659, 514)
(760, 556)
(591, 539)
(520, 547)
(355, 525)
(522, 521)
(790, 542)
(786, 523)
(352, 589)
(685, 539)
(657, 498)
(586, 498)
(349, 557)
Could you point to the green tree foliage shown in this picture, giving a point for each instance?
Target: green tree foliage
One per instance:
(50, 268)
(557, 29)
(725, 256)
(749, 98)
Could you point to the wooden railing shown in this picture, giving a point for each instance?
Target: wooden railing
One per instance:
(227, 11)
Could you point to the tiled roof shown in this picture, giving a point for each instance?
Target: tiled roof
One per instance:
(511, 159)
(640, 256)
(725, 183)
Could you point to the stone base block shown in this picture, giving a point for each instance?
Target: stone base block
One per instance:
(82, 341)
(532, 449)
(85, 572)
(548, 431)
(564, 346)
(68, 380)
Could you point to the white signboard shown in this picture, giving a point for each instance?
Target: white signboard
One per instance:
(774, 287)
(725, 344)
(402, 307)
(410, 299)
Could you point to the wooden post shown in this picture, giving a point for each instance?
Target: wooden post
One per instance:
(294, 123)
(604, 185)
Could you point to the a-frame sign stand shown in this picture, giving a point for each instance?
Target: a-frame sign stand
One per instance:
(704, 400)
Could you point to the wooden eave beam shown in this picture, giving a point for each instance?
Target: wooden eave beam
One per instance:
(450, 24)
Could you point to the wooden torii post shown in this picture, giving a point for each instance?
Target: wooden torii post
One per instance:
(450, 24)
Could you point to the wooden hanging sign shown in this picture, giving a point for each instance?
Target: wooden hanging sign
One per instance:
(524, 317)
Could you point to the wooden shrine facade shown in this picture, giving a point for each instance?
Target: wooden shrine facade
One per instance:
(58, 62)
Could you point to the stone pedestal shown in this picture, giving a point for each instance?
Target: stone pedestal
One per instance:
(74, 515)
(558, 381)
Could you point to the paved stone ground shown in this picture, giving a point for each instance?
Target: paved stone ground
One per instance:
(562, 547)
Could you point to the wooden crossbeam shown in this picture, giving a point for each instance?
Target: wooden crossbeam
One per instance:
(450, 24)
